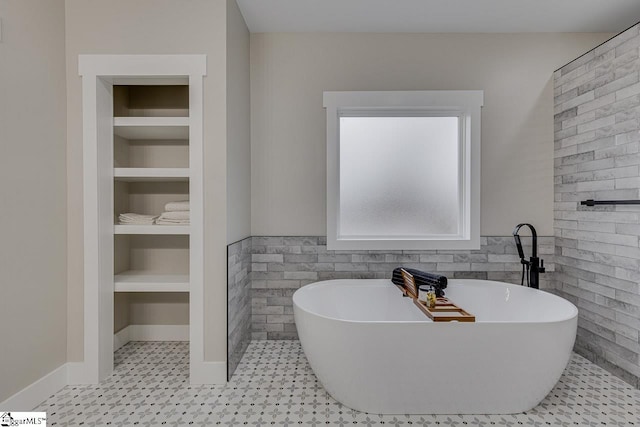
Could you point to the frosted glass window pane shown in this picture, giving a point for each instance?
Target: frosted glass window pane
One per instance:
(399, 177)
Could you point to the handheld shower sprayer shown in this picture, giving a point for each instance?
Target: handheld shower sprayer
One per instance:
(534, 266)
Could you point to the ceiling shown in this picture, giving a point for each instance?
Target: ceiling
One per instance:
(440, 16)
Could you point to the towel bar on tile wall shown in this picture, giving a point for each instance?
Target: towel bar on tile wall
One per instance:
(591, 202)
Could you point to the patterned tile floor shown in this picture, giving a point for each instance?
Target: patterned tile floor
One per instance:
(274, 385)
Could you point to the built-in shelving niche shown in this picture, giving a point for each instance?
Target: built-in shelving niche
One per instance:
(151, 280)
(151, 100)
(155, 254)
(150, 153)
(151, 168)
(149, 114)
(151, 129)
(151, 263)
(148, 197)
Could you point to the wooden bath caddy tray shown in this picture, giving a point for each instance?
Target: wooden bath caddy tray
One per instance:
(445, 311)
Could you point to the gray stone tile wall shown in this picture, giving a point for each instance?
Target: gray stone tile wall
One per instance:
(280, 265)
(597, 132)
(238, 302)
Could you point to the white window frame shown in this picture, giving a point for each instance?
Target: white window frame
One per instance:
(466, 105)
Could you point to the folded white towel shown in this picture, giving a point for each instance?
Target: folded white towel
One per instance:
(137, 219)
(182, 215)
(136, 222)
(182, 205)
(172, 221)
(130, 215)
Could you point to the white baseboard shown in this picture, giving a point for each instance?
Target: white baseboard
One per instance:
(150, 333)
(31, 396)
(79, 373)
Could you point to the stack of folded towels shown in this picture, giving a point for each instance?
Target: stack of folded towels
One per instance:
(136, 219)
(175, 213)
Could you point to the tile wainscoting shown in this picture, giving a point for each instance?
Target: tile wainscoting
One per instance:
(238, 302)
(280, 265)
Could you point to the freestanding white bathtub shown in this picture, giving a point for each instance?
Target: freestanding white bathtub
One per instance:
(375, 351)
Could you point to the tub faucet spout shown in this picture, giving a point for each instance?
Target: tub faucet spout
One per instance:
(534, 266)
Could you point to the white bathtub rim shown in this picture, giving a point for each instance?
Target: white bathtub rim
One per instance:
(573, 309)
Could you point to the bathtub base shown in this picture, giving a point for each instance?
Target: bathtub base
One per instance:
(461, 382)
(413, 366)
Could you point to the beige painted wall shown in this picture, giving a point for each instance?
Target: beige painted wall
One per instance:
(289, 72)
(238, 127)
(153, 27)
(33, 208)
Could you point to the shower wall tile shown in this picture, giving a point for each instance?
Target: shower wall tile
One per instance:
(306, 260)
(238, 302)
(597, 254)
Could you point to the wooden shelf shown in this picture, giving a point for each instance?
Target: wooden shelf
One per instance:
(140, 281)
(151, 174)
(151, 127)
(151, 229)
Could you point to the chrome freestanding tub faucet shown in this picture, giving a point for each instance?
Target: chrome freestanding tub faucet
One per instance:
(535, 265)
